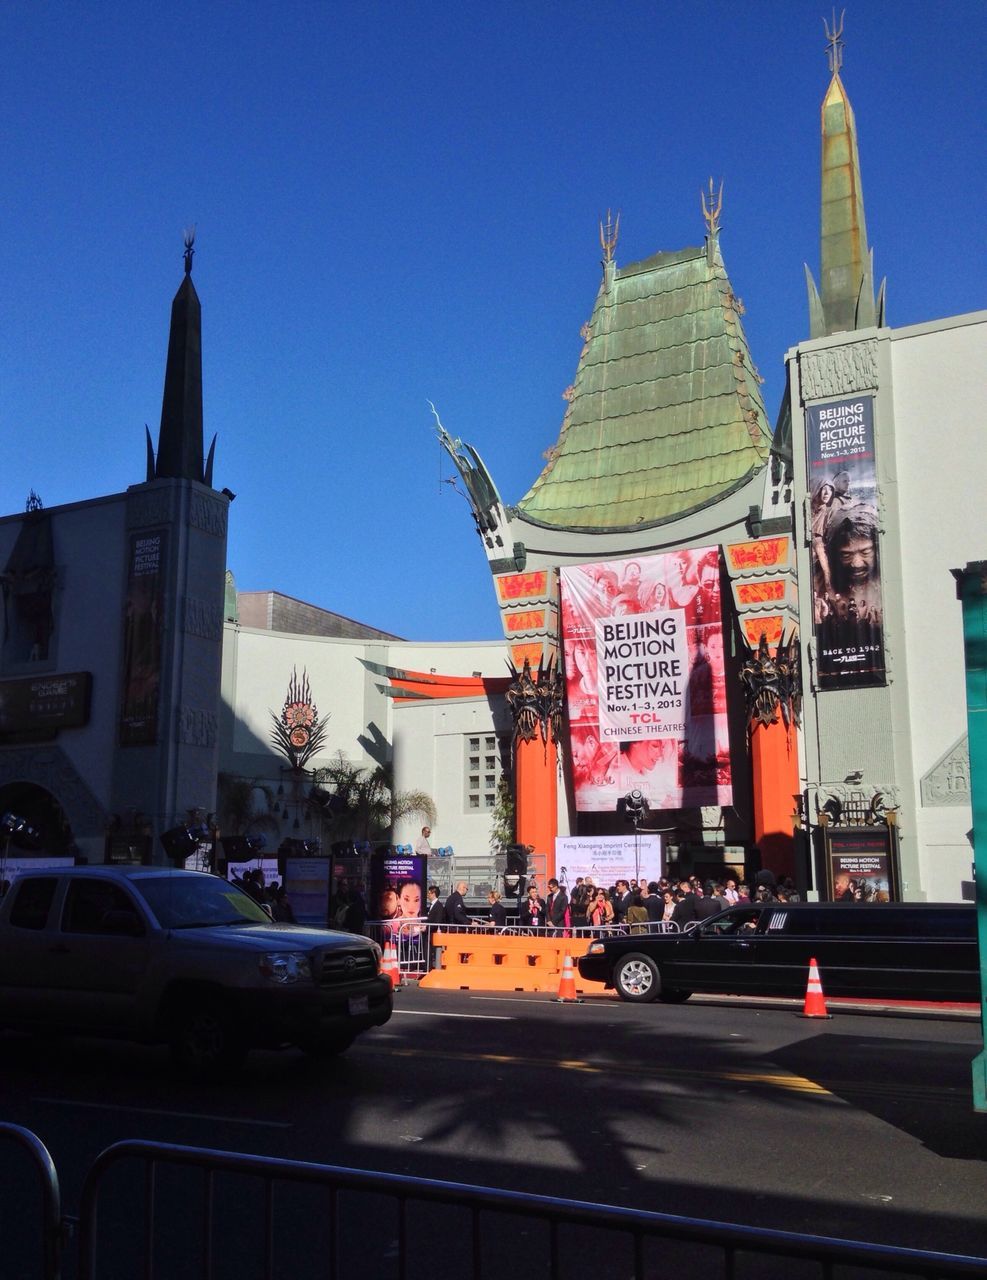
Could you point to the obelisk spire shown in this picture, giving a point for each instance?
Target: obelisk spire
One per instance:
(845, 299)
(180, 437)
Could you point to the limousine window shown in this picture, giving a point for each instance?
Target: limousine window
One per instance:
(734, 922)
(891, 922)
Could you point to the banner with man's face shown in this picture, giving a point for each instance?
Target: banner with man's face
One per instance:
(643, 649)
(847, 597)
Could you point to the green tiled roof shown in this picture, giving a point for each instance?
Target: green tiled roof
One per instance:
(665, 414)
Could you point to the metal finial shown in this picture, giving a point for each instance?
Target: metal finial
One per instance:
(834, 51)
(713, 209)
(189, 250)
(608, 236)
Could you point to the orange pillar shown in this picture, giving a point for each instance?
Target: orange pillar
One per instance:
(536, 819)
(775, 766)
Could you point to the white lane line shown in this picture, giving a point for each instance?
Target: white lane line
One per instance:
(543, 998)
(437, 1013)
(171, 1115)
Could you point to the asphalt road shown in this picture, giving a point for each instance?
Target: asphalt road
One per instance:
(859, 1127)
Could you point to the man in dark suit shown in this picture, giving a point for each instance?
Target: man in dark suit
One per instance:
(436, 919)
(622, 901)
(436, 911)
(685, 912)
(707, 904)
(455, 909)
(557, 905)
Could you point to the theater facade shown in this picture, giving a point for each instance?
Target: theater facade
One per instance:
(751, 628)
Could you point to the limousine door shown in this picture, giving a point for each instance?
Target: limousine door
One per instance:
(716, 956)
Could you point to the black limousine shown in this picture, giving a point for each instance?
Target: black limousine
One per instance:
(916, 951)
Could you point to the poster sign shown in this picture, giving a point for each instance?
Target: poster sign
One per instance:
(38, 706)
(397, 886)
(645, 683)
(306, 883)
(607, 859)
(142, 638)
(861, 864)
(847, 596)
(12, 866)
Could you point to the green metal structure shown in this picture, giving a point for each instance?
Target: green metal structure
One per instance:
(971, 590)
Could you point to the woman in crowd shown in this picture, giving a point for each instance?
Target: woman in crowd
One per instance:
(498, 912)
(600, 909)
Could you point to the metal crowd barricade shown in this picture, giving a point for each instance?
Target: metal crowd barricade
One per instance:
(416, 953)
(343, 1253)
(53, 1227)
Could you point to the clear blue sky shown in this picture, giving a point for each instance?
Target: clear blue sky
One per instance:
(398, 202)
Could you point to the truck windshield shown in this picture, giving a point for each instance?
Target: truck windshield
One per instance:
(196, 902)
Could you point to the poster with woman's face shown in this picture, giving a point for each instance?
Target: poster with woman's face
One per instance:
(397, 886)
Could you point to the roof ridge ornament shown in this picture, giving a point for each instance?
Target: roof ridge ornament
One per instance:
(608, 236)
(711, 213)
(834, 50)
(189, 235)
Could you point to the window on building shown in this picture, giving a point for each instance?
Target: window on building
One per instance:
(485, 759)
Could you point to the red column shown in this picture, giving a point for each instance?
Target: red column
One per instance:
(775, 766)
(536, 820)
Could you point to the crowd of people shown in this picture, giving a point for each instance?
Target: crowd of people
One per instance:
(272, 897)
(627, 902)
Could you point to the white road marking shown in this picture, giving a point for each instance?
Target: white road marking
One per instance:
(429, 1013)
(171, 1115)
(544, 998)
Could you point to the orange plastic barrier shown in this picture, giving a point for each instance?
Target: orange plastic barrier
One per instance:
(501, 962)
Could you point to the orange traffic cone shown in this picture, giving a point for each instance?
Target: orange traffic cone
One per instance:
(567, 983)
(815, 1004)
(391, 968)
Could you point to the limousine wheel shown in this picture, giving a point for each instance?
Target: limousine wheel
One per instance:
(637, 978)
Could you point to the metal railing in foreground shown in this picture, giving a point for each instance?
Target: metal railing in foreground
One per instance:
(412, 938)
(485, 1207)
(52, 1225)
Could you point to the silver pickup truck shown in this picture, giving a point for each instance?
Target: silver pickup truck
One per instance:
(160, 956)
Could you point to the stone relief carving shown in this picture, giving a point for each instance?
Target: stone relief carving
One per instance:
(50, 768)
(850, 804)
(948, 781)
(207, 514)
(201, 618)
(147, 508)
(197, 728)
(839, 371)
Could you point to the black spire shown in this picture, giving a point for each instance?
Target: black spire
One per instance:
(180, 438)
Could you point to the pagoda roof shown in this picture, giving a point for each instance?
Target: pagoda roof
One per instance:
(665, 415)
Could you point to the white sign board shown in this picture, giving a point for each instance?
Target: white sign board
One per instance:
(607, 859)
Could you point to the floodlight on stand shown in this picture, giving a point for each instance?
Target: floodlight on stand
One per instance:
(633, 806)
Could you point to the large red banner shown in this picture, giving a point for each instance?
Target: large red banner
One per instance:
(645, 684)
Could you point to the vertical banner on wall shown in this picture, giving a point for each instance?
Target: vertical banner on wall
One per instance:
(847, 597)
(142, 639)
(645, 683)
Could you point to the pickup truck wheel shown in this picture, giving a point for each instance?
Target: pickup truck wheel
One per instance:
(326, 1048)
(636, 978)
(203, 1041)
(674, 997)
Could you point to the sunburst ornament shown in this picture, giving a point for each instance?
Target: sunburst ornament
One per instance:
(299, 731)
